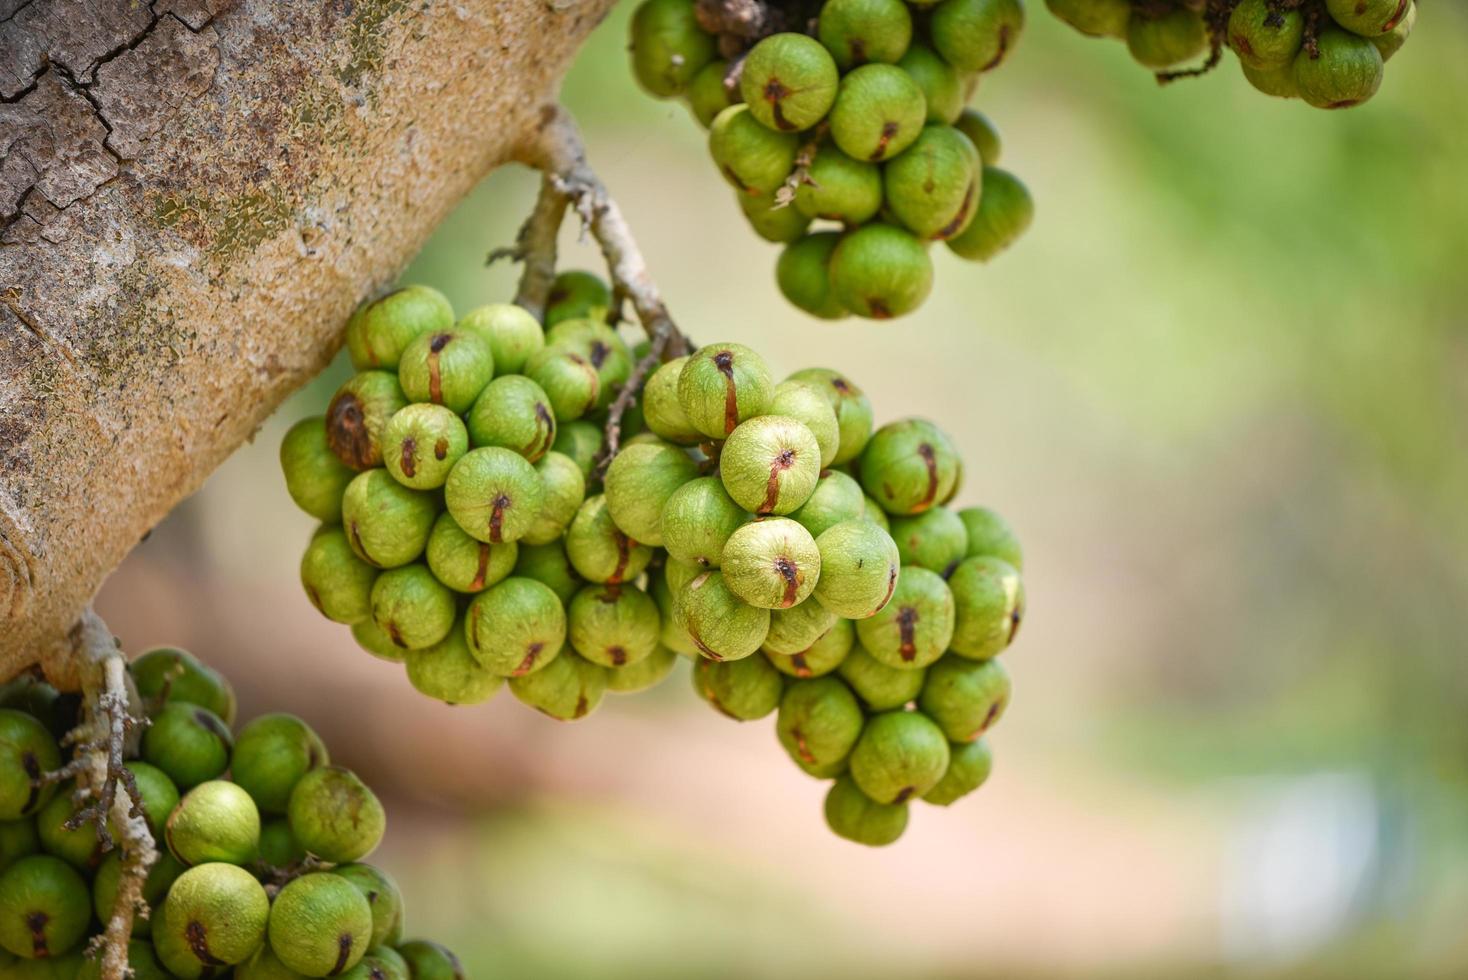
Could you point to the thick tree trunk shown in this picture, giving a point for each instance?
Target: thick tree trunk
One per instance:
(193, 195)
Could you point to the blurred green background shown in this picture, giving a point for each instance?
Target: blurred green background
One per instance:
(1220, 389)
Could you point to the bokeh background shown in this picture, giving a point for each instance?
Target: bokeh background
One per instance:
(1220, 389)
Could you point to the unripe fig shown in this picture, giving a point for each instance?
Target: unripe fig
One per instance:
(822, 655)
(707, 94)
(879, 111)
(794, 630)
(901, 754)
(1163, 40)
(314, 477)
(335, 816)
(881, 271)
(771, 563)
(31, 695)
(79, 846)
(511, 332)
(581, 442)
(976, 35)
(430, 961)
(836, 498)
(771, 220)
(271, 755)
(1263, 37)
(806, 403)
(191, 744)
(421, 445)
(516, 627)
(446, 367)
(45, 907)
(184, 678)
(1278, 82)
(789, 81)
(597, 548)
(514, 413)
(1098, 18)
(753, 158)
(27, 751)
(279, 847)
(721, 386)
(320, 925)
(568, 379)
(338, 583)
(463, 563)
(449, 672)
(383, 898)
(680, 573)
(853, 409)
(378, 331)
(990, 604)
(840, 188)
(613, 625)
(877, 515)
(577, 295)
(860, 31)
(668, 46)
(990, 535)
(913, 629)
(565, 489)
(639, 483)
(1346, 72)
(1368, 18)
(660, 408)
(880, 687)
(265, 965)
(935, 539)
(770, 464)
(646, 673)
(1391, 42)
(215, 916)
(412, 607)
(357, 417)
(1005, 211)
(743, 690)
(549, 565)
(387, 524)
(494, 494)
(819, 722)
(853, 815)
(721, 625)
(982, 133)
(909, 466)
(933, 188)
(215, 821)
(943, 87)
(568, 689)
(161, 876)
(965, 698)
(803, 274)
(858, 569)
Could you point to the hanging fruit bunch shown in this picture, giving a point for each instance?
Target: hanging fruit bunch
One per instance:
(261, 845)
(843, 129)
(476, 528)
(1329, 53)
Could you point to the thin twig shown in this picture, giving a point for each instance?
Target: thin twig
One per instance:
(535, 246)
(640, 372)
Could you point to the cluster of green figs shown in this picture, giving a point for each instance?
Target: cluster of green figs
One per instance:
(260, 874)
(849, 141)
(1329, 53)
(804, 559)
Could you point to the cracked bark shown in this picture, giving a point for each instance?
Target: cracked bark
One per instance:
(193, 195)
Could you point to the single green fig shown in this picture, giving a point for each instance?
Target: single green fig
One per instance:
(744, 690)
(1264, 37)
(755, 159)
(511, 332)
(1159, 41)
(771, 219)
(858, 569)
(1346, 71)
(989, 600)
(320, 925)
(494, 494)
(565, 489)
(383, 896)
(638, 484)
(576, 294)
(271, 754)
(982, 132)
(515, 628)
(430, 961)
(901, 754)
(466, 564)
(1005, 212)
(772, 563)
(803, 274)
(853, 410)
(819, 723)
(568, 689)
(182, 676)
(721, 625)
(807, 404)
(990, 535)
(549, 565)
(378, 331)
(1368, 18)
(357, 416)
(446, 367)
(215, 821)
(45, 907)
(613, 625)
(707, 94)
(190, 743)
(933, 188)
(913, 629)
(878, 112)
(449, 672)
(976, 35)
(965, 698)
(314, 476)
(853, 815)
(936, 539)
(387, 524)
(668, 46)
(570, 381)
(660, 408)
(722, 385)
(597, 548)
(909, 466)
(1391, 42)
(335, 816)
(880, 687)
(338, 583)
(1278, 82)
(1097, 18)
(215, 916)
(860, 31)
(836, 498)
(513, 412)
(770, 464)
(942, 85)
(580, 441)
(421, 445)
(412, 607)
(881, 271)
(647, 673)
(819, 657)
(789, 81)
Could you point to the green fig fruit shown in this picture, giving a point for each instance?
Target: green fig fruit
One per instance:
(421, 445)
(880, 687)
(378, 331)
(613, 625)
(853, 410)
(271, 754)
(819, 723)
(707, 94)
(936, 539)
(913, 629)
(446, 367)
(836, 498)
(909, 466)
(314, 476)
(821, 655)
(387, 524)
(511, 332)
(1005, 212)
(320, 925)
(752, 157)
(744, 690)
(515, 628)
(577, 295)
(942, 85)
(933, 188)
(853, 815)
(513, 412)
(789, 81)
(772, 563)
(976, 35)
(338, 583)
(215, 821)
(335, 816)
(494, 494)
(1159, 41)
(965, 698)
(357, 417)
(646, 673)
(449, 672)
(466, 564)
(901, 754)
(989, 600)
(698, 519)
(721, 625)
(549, 565)
(803, 274)
(639, 483)
(597, 548)
(668, 46)
(770, 219)
(568, 689)
(860, 31)
(1098, 18)
(770, 464)
(858, 569)
(215, 916)
(565, 489)
(982, 133)
(880, 271)
(1264, 37)
(722, 385)
(878, 112)
(1346, 72)
(412, 607)
(191, 744)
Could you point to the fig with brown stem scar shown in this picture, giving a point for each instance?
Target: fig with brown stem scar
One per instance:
(466, 564)
(698, 519)
(721, 625)
(772, 563)
(913, 630)
(513, 412)
(744, 690)
(386, 523)
(568, 689)
(909, 467)
(494, 495)
(859, 568)
(819, 724)
(421, 445)
(380, 330)
(964, 698)
(357, 417)
(820, 656)
(597, 548)
(320, 925)
(449, 672)
(515, 628)
(446, 367)
(722, 385)
(836, 498)
(613, 625)
(215, 916)
(789, 82)
(989, 603)
(770, 464)
(880, 271)
(900, 755)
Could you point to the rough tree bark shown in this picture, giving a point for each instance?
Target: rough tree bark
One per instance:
(193, 195)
